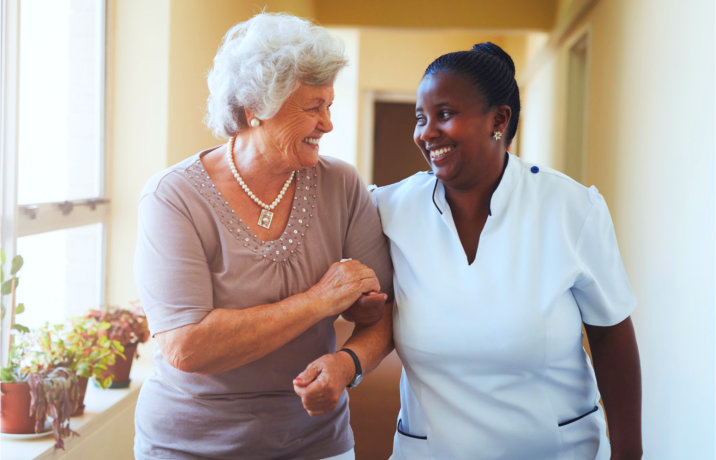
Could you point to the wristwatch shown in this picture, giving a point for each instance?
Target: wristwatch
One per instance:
(359, 370)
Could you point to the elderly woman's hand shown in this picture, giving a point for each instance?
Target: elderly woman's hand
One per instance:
(342, 285)
(367, 310)
(321, 384)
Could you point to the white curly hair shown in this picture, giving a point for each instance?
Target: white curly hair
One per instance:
(261, 62)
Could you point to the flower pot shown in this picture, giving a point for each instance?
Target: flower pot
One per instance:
(15, 409)
(121, 367)
(82, 381)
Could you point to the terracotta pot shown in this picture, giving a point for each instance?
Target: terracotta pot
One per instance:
(81, 401)
(15, 409)
(120, 369)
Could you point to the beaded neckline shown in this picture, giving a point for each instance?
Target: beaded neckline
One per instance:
(290, 241)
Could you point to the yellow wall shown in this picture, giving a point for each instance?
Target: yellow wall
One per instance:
(138, 75)
(470, 14)
(394, 60)
(343, 141)
(657, 154)
(543, 115)
(137, 120)
(650, 150)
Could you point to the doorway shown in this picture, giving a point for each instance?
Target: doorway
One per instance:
(395, 156)
(576, 131)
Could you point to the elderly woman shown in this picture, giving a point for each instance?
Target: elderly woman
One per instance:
(246, 255)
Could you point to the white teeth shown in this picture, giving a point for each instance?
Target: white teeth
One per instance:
(311, 140)
(440, 152)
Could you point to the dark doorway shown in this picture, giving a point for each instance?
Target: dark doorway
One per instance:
(395, 155)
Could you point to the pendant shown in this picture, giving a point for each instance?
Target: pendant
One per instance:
(265, 218)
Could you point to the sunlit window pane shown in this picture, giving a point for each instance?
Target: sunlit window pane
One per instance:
(60, 91)
(62, 274)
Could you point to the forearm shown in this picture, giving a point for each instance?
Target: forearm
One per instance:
(228, 338)
(324, 380)
(616, 364)
(373, 343)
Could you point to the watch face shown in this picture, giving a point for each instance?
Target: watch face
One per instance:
(356, 381)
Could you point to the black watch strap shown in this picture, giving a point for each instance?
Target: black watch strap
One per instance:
(359, 370)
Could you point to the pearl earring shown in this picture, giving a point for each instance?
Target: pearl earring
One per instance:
(255, 122)
(497, 135)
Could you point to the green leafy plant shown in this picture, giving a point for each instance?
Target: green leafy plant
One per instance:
(91, 350)
(82, 346)
(8, 286)
(54, 390)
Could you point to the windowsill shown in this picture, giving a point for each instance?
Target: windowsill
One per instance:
(101, 407)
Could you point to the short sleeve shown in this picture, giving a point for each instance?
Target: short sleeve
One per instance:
(170, 267)
(364, 239)
(602, 288)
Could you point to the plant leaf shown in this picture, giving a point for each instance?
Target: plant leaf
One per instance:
(83, 369)
(2, 256)
(2, 312)
(6, 287)
(16, 265)
(19, 308)
(20, 327)
(7, 375)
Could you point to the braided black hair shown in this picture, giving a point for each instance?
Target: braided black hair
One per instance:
(491, 71)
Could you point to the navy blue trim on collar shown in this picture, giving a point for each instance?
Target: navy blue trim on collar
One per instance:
(499, 179)
(434, 202)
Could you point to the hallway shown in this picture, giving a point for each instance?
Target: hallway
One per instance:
(618, 93)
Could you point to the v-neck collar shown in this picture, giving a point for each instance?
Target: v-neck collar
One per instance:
(499, 198)
(302, 211)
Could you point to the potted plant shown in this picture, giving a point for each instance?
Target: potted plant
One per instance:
(15, 417)
(53, 389)
(128, 327)
(82, 346)
(33, 388)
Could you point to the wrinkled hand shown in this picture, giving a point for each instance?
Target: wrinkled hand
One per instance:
(323, 381)
(342, 284)
(367, 310)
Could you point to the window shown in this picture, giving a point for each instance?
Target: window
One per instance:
(53, 208)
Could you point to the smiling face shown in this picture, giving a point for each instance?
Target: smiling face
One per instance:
(292, 135)
(454, 130)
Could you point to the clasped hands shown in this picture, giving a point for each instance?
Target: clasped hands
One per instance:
(322, 383)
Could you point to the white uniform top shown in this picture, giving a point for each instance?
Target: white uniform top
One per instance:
(493, 361)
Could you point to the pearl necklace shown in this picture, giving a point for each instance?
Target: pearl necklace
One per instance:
(267, 212)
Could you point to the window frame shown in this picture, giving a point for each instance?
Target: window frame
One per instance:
(31, 219)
